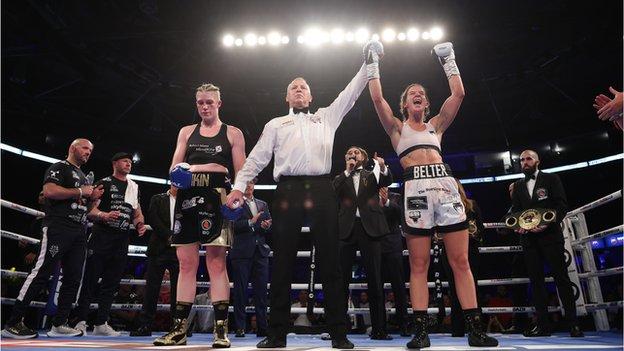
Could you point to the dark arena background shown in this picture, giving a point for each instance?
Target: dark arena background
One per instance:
(123, 74)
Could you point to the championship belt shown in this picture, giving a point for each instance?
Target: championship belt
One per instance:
(530, 219)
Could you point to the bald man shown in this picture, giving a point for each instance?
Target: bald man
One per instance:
(301, 143)
(544, 243)
(68, 198)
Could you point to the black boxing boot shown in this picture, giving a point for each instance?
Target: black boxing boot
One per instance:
(476, 335)
(221, 339)
(177, 334)
(421, 332)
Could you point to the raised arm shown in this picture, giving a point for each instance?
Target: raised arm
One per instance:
(391, 124)
(336, 111)
(449, 109)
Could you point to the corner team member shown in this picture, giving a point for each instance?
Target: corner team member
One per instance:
(68, 198)
(544, 243)
(112, 215)
(362, 226)
(209, 150)
(431, 200)
(302, 143)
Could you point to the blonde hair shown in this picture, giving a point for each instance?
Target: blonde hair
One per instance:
(403, 100)
(208, 87)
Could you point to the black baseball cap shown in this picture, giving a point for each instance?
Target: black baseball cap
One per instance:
(121, 155)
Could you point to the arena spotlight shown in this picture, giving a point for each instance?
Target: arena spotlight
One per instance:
(251, 39)
(375, 37)
(337, 36)
(274, 38)
(412, 34)
(136, 158)
(401, 36)
(388, 35)
(315, 37)
(349, 36)
(426, 35)
(301, 39)
(436, 33)
(361, 35)
(285, 40)
(228, 40)
(238, 42)
(262, 40)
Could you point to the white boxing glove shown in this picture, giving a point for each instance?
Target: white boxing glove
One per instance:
(446, 56)
(373, 52)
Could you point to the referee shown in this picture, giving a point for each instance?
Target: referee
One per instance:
(302, 143)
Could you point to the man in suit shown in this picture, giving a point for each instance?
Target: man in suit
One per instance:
(392, 256)
(160, 256)
(545, 242)
(249, 257)
(361, 225)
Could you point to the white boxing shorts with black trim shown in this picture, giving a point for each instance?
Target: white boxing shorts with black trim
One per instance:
(431, 201)
(197, 217)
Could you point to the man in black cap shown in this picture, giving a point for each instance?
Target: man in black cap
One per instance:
(113, 214)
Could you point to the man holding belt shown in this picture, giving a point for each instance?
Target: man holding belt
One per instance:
(545, 242)
(302, 144)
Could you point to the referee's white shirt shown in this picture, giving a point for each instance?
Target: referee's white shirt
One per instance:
(302, 143)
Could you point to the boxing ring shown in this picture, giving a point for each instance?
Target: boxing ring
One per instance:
(579, 258)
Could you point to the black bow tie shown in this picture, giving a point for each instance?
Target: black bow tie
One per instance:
(354, 172)
(529, 177)
(302, 110)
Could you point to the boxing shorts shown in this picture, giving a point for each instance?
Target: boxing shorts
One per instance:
(432, 202)
(197, 217)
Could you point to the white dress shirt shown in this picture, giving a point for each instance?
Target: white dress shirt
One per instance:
(531, 184)
(171, 208)
(302, 144)
(253, 208)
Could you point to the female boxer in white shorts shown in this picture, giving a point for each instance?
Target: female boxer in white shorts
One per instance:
(431, 199)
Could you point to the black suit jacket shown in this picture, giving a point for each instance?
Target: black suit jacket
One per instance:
(158, 217)
(246, 237)
(393, 242)
(548, 193)
(367, 200)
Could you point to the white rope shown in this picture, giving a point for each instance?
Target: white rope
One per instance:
(603, 200)
(320, 310)
(21, 208)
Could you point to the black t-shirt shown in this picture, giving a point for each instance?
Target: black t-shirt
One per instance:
(114, 199)
(70, 212)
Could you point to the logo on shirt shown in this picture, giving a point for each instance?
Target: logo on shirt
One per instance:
(218, 148)
(54, 249)
(75, 175)
(542, 194)
(54, 174)
(114, 188)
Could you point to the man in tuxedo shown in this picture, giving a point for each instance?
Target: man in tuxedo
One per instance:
(361, 225)
(545, 242)
(160, 256)
(249, 257)
(392, 256)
